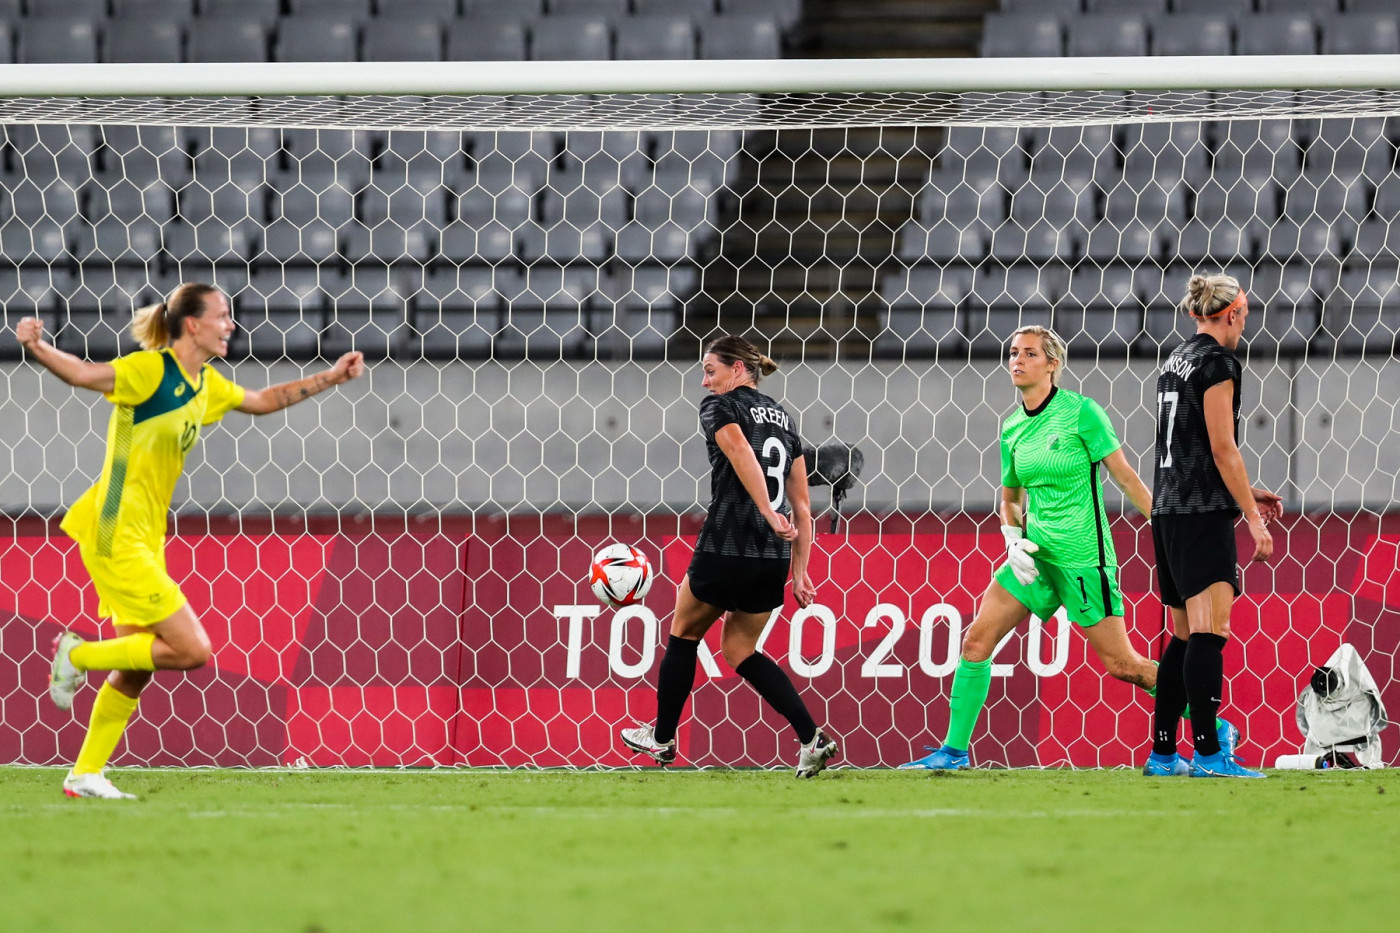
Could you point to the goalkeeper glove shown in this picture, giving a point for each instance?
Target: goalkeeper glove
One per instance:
(1018, 554)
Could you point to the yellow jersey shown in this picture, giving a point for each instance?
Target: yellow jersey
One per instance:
(159, 412)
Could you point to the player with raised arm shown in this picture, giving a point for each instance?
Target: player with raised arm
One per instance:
(1200, 487)
(1058, 548)
(758, 528)
(162, 396)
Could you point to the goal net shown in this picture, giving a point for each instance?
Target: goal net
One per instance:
(396, 572)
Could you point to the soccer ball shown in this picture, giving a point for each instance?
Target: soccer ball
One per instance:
(620, 576)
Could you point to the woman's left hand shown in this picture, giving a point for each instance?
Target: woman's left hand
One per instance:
(781, 526)
(803, 590)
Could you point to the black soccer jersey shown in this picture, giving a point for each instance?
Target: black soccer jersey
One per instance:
(1187, 481)
(734, 527)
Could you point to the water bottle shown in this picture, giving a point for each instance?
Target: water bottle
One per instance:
(1301, 762)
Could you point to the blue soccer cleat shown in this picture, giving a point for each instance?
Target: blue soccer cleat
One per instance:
(1172, 765)
(1228, 737)
(939, 759)
(1218, 765)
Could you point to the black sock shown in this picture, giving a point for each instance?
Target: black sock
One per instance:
(778, 692)
(1204, 672)
(673, 685)
(1171, 697)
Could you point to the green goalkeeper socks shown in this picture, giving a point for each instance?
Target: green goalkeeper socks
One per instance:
(971, 682)
(1186, 714)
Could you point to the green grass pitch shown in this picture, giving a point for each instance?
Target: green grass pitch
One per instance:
(334, 851)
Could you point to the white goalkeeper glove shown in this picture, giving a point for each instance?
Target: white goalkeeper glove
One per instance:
(1018, 554)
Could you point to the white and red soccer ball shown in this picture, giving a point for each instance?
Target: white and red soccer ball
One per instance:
(620, 575)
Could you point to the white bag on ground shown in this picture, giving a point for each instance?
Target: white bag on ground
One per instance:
(1340, 712)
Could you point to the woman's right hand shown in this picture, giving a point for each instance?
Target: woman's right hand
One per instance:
(1263, 541)
(29, 331)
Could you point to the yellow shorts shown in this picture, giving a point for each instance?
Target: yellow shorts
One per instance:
(133, 588)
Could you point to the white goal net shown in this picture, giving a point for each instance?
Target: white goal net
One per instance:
(396, 573)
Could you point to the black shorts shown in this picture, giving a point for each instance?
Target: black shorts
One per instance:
(1194, 552)
(746, 584)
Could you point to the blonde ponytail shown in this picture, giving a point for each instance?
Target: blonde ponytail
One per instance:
(161, 324)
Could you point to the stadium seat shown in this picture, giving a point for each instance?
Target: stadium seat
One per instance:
(477, 205)
(32, 200)
(1101, 331)
(451, 322)
(989, 329)
(1060, 203)
(1192, 34)
(605, 8)
(1103, 287)
(465, 242)
(1127, 7)
(928, 287)
(1350, 147)
(787, 12)
(264, 12)
(1318, 8)
(1156, 152)
(403, 40)
(313, 241)
(1018, 286)
(211, 239)
(45, 153)
(143, 40)
(917, 333)
(635, 332)
(1331, 199)
(176, 11)
(1133, 242)
(114, 289)
(303, 200)
(1022, 35)
(1236, 200)
(7, 42)
(125, 200)
(1116, 33)
(1361, 34)
(439, 10)
(36, 241)
(96, 335)
(1151, 203)
(321, 158)
(1275, 34)
(354, 8)
(1218, 241)
(388, 241)
(1058, 7)
(313, 37)
(659, 36)
(486, 39)
(571, 37)
(563, 242)
(77, 9)
(227, 38)
(1370, 6)
(1216, 7)
(740, 37)
(667, 243)
(117, 240)
(31, 291)
(944, 241)
(1378, 239)
(982, 155)
(1363, 315)
(1255, 149)
(57, 40)
(691, 8)
(375, 333)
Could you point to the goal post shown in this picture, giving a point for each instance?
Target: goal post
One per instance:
(531, 255)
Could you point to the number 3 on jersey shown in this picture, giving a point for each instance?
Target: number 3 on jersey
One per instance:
(1169, 400)
(778, 470)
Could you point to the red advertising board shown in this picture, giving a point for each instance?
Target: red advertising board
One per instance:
(479, 643)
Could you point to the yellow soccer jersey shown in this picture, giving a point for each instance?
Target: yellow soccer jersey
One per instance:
(159, 411)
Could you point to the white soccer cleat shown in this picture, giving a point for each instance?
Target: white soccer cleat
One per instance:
(93, 785)
(643, 741)
(64, 678)
(813, 756)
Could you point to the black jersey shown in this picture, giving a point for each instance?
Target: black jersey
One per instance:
(1187, 481)
(734, 527)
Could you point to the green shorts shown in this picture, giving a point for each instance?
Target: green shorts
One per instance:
(1089, 594)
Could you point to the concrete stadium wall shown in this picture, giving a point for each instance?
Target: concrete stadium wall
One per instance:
(505, 437)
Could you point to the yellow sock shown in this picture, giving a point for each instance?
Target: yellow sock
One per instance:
(128, 653)
(111, 711)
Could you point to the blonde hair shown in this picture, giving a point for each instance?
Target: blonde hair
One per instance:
(729, 349)
(158, 325)
(1052, 343)
(1208, 295)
